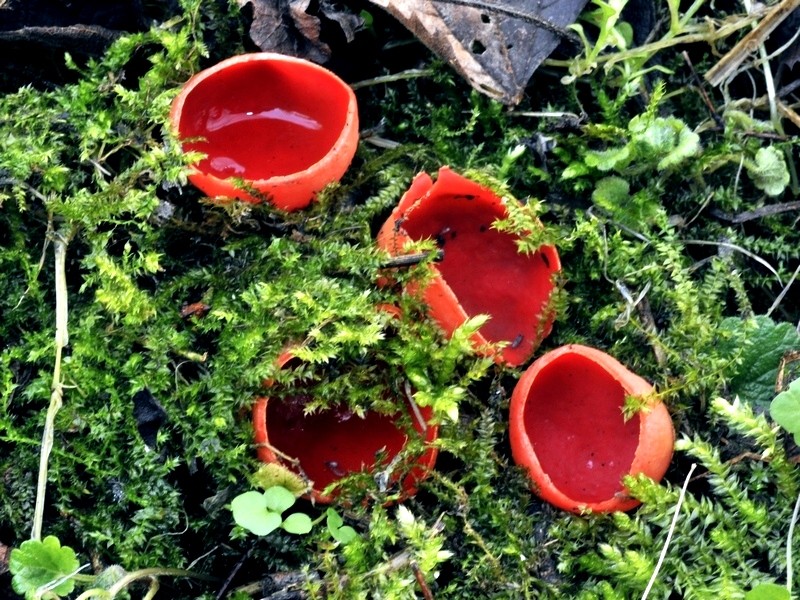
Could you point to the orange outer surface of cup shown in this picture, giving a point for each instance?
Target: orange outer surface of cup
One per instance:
(522, 334)
(570, 402)
(267, 82)
(422, 465)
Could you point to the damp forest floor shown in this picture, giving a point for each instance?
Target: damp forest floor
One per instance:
(150, 317)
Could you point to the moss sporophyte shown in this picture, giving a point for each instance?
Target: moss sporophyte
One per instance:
(675, 227)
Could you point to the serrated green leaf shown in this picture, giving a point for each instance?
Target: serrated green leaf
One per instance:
(785, 409)
(611, 193)
(606, 160)
(297, 523)
(250, 511)
(687, 144)
(768, 591)
(769, 172)
(36, 564)
(759, 344)
(279, 499)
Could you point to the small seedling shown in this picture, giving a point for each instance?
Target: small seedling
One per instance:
(344, 534)
(261, 513)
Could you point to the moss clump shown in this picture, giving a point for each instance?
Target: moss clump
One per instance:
(643, 200)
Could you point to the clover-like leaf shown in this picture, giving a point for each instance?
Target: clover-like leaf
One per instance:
(279, 499)
(36, 564)
(785, 409)
(251, 512)
(297, 523)
(344, 534)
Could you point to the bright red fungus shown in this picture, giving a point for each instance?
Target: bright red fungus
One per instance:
(568, 429)
(285, 126)
(331, 444)
(482, 271)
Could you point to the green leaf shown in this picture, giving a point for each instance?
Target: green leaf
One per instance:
(785, 409)
(605, 160)
(687, 144)
(38, 563)
(768, 591)
(251, 512)
(297, 523)
(759, 344)
(333, 520)
(344, 534)
(279, 499)
(769, 172)
(611, 193)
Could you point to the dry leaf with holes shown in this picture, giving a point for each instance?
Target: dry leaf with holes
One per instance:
(495, 45)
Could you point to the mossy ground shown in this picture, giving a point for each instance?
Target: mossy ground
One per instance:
(636, 185)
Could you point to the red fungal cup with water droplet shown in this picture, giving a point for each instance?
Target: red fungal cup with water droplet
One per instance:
(284, 126)
(568, 430)
(482, 271)
(331, 444)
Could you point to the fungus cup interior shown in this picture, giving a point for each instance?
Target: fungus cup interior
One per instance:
(482, 266)
(573, 418)
(262, 116)
(331, 444)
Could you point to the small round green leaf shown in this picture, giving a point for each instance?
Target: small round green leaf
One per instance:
(250, 511)
(278, 498)
(344, 535)
(333, 521)
(785, 409)
(768, 591)
(297, 523)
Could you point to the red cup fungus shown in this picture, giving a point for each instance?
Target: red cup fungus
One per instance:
(331, 444)
(283, 126)
(482, 271)
(568, 430)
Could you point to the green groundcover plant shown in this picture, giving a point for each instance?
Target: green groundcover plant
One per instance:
(678, 239)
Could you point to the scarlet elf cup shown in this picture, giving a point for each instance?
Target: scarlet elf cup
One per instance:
(270, 126)
(328, 445)
(482, 270)
(569, 430)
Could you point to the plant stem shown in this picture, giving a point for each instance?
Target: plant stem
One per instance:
(672, 525)
(56, 397)
(154, 572)
(789, 545)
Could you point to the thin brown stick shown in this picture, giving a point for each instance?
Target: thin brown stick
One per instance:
(714, 114)
(408, 260)
(420, 577)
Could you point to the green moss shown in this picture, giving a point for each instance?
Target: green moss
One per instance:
(649, 275)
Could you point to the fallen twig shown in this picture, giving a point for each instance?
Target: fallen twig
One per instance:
(728, 64)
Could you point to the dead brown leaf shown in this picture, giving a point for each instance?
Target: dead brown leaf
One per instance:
(495, 45)
(285, 26)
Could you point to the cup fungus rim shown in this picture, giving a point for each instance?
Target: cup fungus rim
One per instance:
(656, 437)
(408, 485)
(340, 152)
